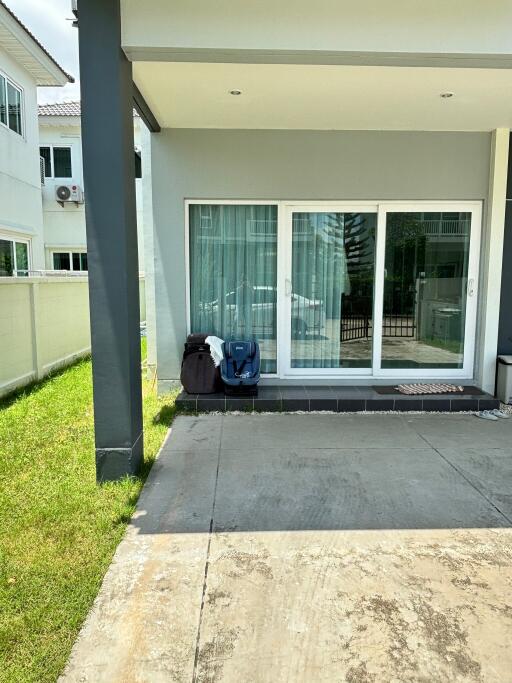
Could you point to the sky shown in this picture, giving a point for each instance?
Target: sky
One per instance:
(47, 20)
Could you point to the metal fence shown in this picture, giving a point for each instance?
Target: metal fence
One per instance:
(399, 326)
(357, 326)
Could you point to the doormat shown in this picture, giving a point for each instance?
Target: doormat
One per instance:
(442, 389)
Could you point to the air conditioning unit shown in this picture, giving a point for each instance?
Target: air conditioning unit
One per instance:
(69, 193)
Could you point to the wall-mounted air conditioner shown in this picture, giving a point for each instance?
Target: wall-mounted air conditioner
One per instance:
(69, 193)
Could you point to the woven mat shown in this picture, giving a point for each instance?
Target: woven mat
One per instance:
(423, 389)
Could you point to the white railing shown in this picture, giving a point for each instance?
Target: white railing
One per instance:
(445, 228)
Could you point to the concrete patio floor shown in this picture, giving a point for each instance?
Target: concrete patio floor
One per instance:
(307, 548)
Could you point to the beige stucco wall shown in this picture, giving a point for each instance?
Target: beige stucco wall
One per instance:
(44, 324)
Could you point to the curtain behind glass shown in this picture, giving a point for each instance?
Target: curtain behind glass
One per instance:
(233, 274)
(319, 279)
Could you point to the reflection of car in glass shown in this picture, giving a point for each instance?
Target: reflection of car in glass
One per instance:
(308, 316)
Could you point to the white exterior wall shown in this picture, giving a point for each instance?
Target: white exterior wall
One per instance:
(64, 226)
(20, 185)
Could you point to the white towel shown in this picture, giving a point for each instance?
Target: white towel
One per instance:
(216, 351)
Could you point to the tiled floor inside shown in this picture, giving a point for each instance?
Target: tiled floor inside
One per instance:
(335, 399)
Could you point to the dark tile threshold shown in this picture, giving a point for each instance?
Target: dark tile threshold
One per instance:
(330, 398)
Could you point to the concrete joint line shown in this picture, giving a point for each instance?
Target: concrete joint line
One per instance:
(461, 473)
(207, 563)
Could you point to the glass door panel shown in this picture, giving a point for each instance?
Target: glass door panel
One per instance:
(332, 284)
(233, 274)
(425, 290)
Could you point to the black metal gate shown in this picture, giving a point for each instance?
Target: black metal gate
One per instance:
(355, 326)
(359, 326)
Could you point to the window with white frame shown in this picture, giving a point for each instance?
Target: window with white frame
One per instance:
(57, 161)
(14, 257)
(70, 260)
(10, 105)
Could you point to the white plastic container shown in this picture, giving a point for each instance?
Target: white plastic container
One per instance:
(504, 392)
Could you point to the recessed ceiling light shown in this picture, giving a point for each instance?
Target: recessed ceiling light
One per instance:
(447, 95)
(235, 92)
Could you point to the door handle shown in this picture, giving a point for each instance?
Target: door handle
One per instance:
(287, 287)
(471, 287)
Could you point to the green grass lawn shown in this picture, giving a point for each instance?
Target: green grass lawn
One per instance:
(58, 529)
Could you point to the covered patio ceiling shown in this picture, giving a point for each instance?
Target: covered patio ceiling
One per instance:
(325, 97)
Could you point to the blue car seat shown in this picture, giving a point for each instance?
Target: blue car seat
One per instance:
(240, 367)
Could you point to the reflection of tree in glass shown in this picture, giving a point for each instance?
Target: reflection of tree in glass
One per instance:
(404, 229)
(405, 260)
(355, 244)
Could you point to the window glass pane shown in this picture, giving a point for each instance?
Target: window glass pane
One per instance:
(83, 261)
(21, 259)
(233, 256)
(333, 261)
(62, 162)
(3, 101)
(61, 261)
(76, 261)
(6, 258)
(14, 108)
(45, 152)
(425, 284)
(138, 165)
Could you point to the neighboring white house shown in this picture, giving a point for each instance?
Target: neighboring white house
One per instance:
(24, 65)
(60, 147)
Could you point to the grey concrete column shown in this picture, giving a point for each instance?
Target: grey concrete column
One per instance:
(505, 328)
(109, 183)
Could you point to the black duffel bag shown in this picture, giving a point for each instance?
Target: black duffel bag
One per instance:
(198, 372)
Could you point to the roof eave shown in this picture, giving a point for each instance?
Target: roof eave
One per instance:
(30, 53)
(59, 120)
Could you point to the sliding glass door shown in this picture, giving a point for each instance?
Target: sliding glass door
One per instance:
(425, 283)
(330, 288)
(382, 290)
(426, 312)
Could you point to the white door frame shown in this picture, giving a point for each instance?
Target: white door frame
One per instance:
(382, 208)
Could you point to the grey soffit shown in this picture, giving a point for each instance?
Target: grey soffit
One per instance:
(320, 57)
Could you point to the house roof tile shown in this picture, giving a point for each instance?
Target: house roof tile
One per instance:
(63, 109)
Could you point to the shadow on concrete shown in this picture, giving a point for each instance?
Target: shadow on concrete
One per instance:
(201, 482)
